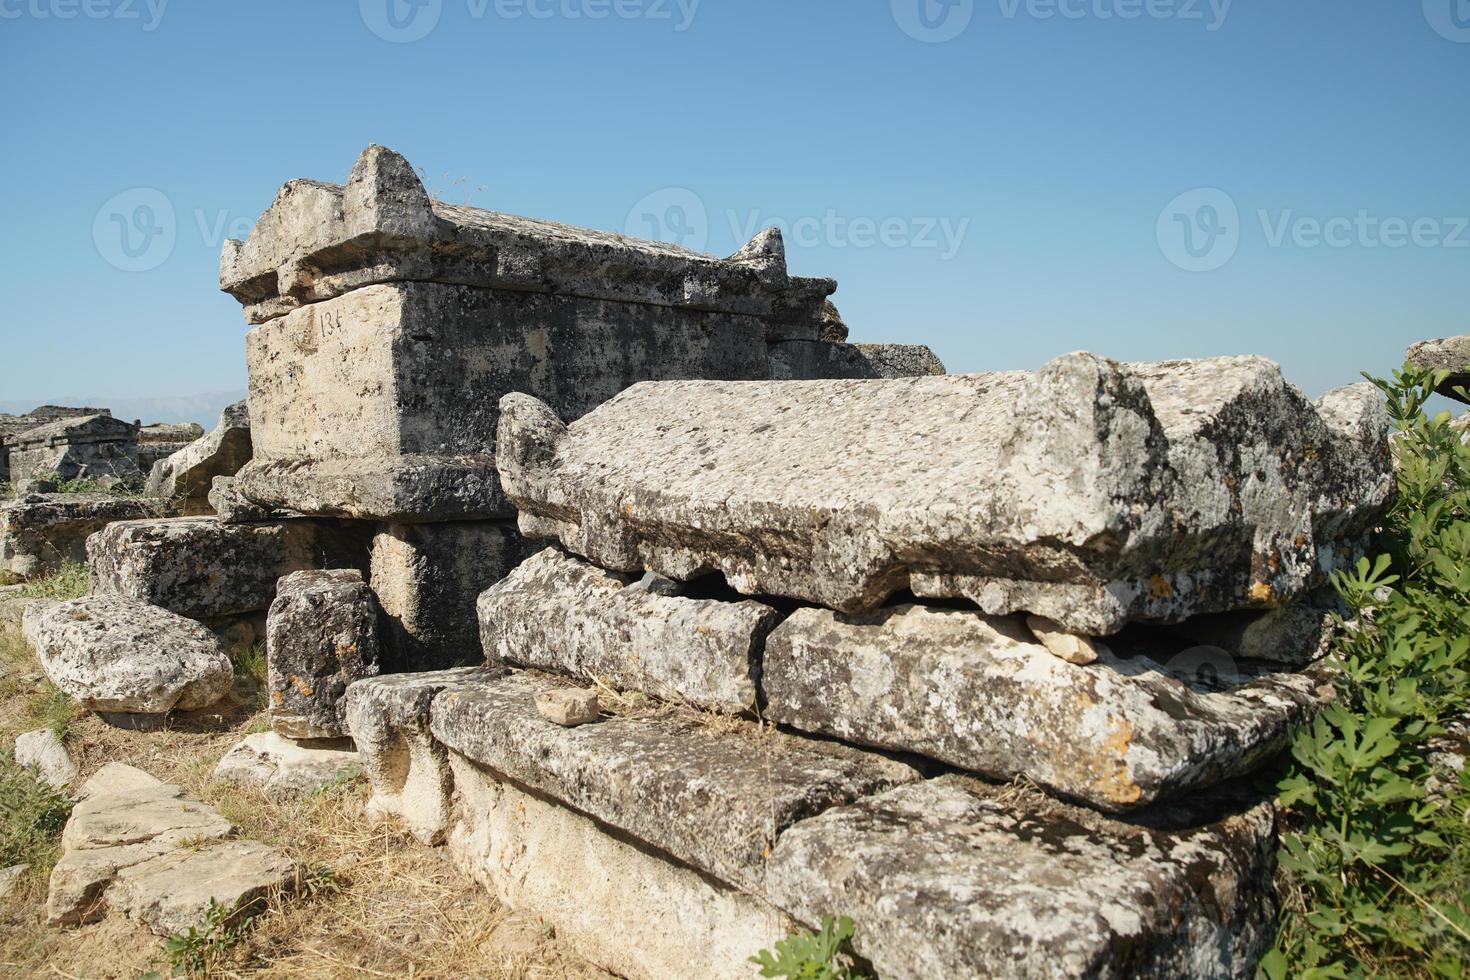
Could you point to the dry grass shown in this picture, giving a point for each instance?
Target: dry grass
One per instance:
(373, 903)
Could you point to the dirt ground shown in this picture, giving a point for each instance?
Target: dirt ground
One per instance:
(374, 903)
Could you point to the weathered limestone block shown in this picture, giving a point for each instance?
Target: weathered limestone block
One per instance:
(231, 507)
(45, 754)
(114, 654)
(619, 905)
(95, 447)
(319, 241)
(134, 844)
(382, 404)
(321, 635)
(559, 613)
(427, 578)
(950, 878)
(283, 769)
(188, 474)
(1450, 354)
(982, 694)
(1089, 492)
(200, 568)
(40, 533)
(812, 360)
(713, 798)
(409, 770)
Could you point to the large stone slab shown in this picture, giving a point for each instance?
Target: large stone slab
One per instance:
(114, 654)
(187, 475)
(40, 533)
(427, 578)
(382, 404)
(619, 905)
(388, 717)
(950, 878)
(981, 694)
(714, 798)
(559, 613)
(1450, 354)
(98, 448)
(1089, 492)
(319, 241)
(200, 568)
(321, 635)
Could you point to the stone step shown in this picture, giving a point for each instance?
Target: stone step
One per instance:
(559, 613)
(1091, 492)
(981, 694)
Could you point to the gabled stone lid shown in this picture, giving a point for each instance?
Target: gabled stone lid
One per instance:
(321, 240)
(89, 428)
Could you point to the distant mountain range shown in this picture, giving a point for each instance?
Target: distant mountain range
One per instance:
(204, 409)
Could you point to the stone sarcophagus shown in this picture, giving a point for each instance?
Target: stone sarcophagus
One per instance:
(388, 325)
(96, 448)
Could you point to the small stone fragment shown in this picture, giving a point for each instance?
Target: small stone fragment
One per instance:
(1070, 647)
(286, 769)
(1450, 354)
(187, 475)
(45, 754)
(567, 707)
(9, 877)
(321, 636)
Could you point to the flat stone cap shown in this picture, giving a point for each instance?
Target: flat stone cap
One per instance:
(320, 240)
(72, 431)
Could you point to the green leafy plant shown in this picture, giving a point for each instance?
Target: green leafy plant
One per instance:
(71, 581)
(822, 955)
(1374, 867)
(32, 815)
(197, 949)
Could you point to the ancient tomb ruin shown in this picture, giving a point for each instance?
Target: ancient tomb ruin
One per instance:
(681, 622)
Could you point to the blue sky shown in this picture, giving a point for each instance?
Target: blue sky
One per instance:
(1004, 180)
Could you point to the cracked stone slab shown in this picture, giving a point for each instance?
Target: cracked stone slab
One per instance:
(561, 614)
(1090, 492)
(1450, 354)
(200, 568)
(318, 241)
(388, 717)
(321, 636)
(43, 532)
(980, 693)
(715, 798)
(951, 878)
(115, 654)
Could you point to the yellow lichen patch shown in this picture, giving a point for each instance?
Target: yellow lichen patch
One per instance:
(1115, 784)
(1160, 588)
(1262, 592)
(302, 688)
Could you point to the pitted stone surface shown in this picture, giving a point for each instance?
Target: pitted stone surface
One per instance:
(231, 507)
(559, 613)
(188, 474)
(388, 717)
(1450, 354)
(1090, 492)
(950, 878)
(41, 533)
(382, 404)
(99, 448)
(713, 798)
(318, 241)
(981, 694)
(200, 568)
(115, 654)
(321, 636)
(812, 360)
